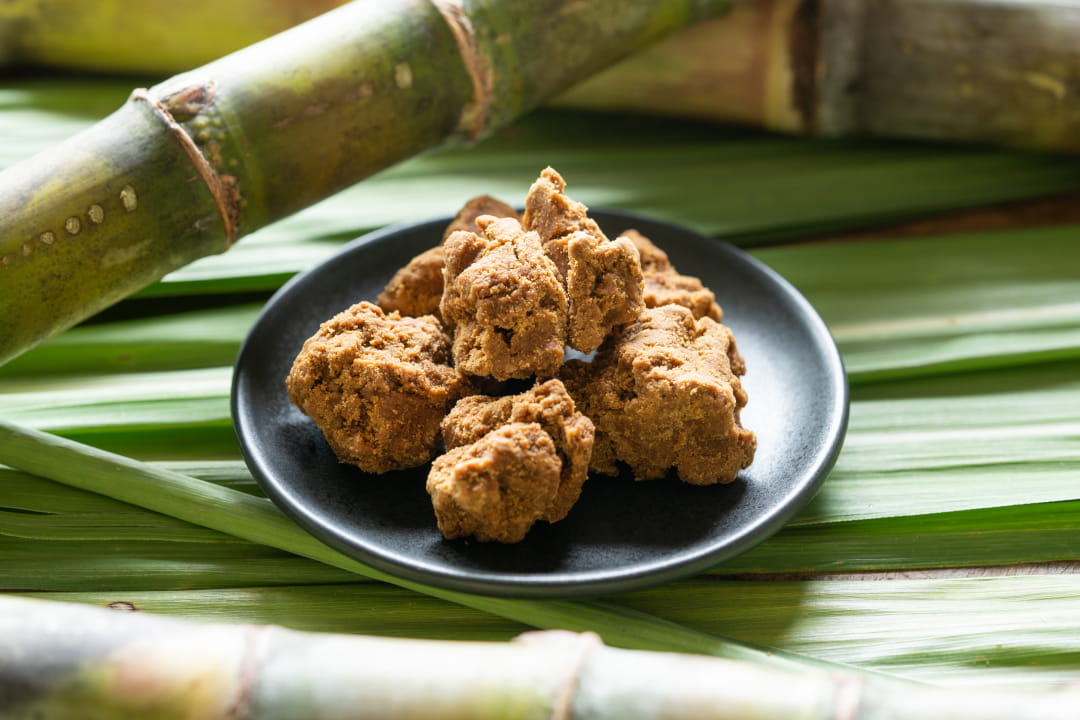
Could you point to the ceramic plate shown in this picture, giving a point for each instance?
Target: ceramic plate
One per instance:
(621, 535)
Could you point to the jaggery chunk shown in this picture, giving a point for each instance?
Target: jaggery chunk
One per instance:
(604, 286)
(551, 214)
(548, 404)
(416, 289)
(602, 277)
(496, 488)
(378, 385)
(505, 302)
(665, 394)
(664, 284)
(474, 208)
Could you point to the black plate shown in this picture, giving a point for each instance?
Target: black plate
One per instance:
(621, 535)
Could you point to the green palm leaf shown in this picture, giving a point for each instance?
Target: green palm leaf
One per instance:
(961, 458)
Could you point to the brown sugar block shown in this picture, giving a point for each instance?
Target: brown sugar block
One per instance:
(663, 284)
(416, 289)
(547, 403)
(603, 279)
(378, 385)
(604, 286)
(475, 416)
(497, 487)
(474, 208)
(665, 394)
(551, 214)
(505, 302)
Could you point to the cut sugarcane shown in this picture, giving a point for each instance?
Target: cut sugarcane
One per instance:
(185, 168)
(71, 661)
(963, 70)
(960, 70)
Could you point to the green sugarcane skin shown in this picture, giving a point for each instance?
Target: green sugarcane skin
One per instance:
(294, 123)
(60, 661)
(211, 155)
(113, 207)
(959, 70)
(278, 126)
(158, 37)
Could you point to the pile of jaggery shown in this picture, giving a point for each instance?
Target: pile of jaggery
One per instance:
(426, 373)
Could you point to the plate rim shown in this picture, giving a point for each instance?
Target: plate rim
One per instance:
(559, 585)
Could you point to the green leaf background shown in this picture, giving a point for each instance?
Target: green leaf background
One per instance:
(942, 548)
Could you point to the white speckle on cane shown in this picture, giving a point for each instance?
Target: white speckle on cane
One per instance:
(96, 213)
(27, 248)
(129, 198)
(47, 237)
(5, 261)
(73, 225)
(403, 75)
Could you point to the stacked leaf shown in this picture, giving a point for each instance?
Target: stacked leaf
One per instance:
(958, 470)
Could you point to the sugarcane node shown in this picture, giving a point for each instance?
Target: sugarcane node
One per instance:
(188, 103)
(214, 150)
(474, 115)
(223, 188)
(582, 645)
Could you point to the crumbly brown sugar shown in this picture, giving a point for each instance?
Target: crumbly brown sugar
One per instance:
(602, 277)
(378, 385)
(417, 288)
(547, 403)
(500, 300)
(664, 285)
(665, 394)
(497, 487)
(505, 302)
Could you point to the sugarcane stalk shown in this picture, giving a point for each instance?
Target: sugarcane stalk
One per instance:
(157, 37)
(59, 661)
(255, 519)
(1002, 71)
(185, 168)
